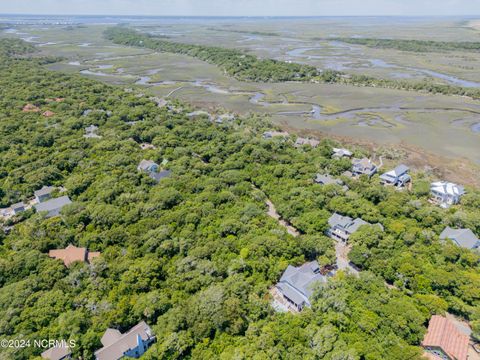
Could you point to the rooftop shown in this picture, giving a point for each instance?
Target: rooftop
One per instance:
(72, 254)
(443, 333)
(462, 237)
(115, 344)
(44, 191)
(56, 353)
(447, 188)
(53, 204)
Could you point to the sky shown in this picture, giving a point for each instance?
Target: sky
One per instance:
(243, 7)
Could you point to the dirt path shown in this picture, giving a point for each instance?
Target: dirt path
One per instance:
(341, 251)
(272, 212)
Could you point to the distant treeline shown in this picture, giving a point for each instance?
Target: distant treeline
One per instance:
(15, 47)
(234, 62)
(262, 33)
(413, 45)
(248, 67)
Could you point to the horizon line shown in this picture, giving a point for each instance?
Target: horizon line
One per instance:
(244, 16)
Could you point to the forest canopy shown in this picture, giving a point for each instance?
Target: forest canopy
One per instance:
(195, 254)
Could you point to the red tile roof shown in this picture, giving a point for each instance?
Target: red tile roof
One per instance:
(442, 333)
(72, 254)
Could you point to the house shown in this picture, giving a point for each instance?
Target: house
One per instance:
(148, 166)
(340, 153)
(444, 341)
(303, 141)
(296, 283)
(152, 168)
(53, 206)
(147, 146)
(341, 227)
(72, 254)
(461, 237)
(44, 193)
(396, 177)
(30, 108)
(329, 180)
(158, 176)
(48, 113)
(363, 167)
(446, 193)
(18, 208)
(272, 134)
(57, 353)
(132, 344)
(91, 132)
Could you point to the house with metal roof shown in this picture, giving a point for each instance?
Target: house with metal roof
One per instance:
(133, 343)
(44, 193)
(443, 341)
(397, 177)
(341, 227)
(296, 284)
(363, 167)
(53, 206)
(462, 237)
(446, 193)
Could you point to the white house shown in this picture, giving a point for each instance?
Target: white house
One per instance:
(446, 193)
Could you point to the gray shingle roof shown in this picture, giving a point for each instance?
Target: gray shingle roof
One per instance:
(46, 190)
(346, 223)
(462, 237)
(116, 343)
(53, 206)
(296, 283)
(160, 175)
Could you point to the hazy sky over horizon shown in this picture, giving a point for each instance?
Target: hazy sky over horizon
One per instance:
(243, 7)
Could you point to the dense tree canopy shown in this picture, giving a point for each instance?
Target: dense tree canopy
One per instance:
(195, 255)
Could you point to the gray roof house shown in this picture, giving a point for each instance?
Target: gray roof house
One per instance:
(158, 176)
(272, 134)
(147, 166)
(44, 193)
(340, 153)
(53, 206)
(341, 227)
(462, 237)
(296, 284)
(396, 177)
(132, 344)
(57, 353)
(18, 208)
(446, 193)
(304, 141)
(152, 168)
(363, 167)
(91, 132)
(329, 180)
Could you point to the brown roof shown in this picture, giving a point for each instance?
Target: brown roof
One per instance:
(48, 113)
(30, 108)
(442, 333)
(72, 254)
